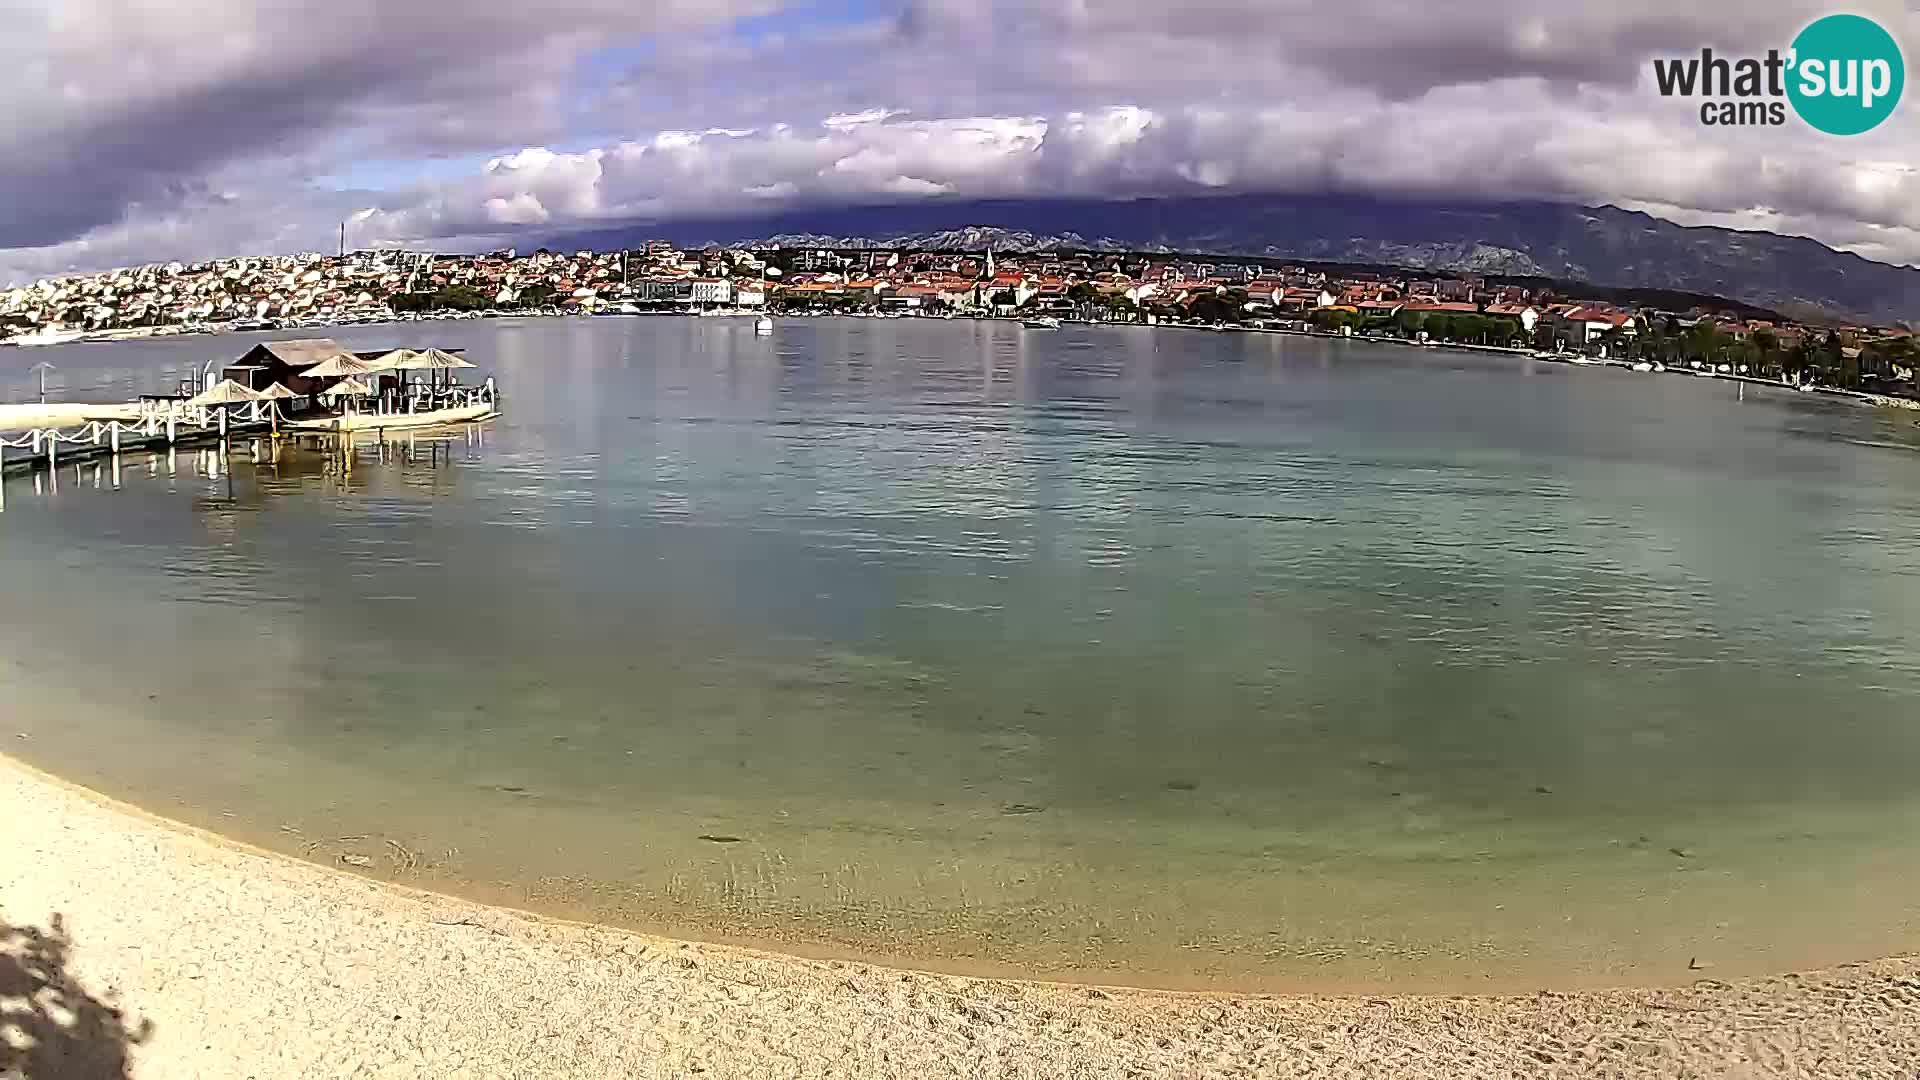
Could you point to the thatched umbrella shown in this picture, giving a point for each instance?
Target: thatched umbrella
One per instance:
(437, 360)
(342, 365)
(276, 394)
(347, 388)
(226, 393)
(431, 360)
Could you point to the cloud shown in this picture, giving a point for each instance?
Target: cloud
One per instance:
(113, 104)
(178, 130)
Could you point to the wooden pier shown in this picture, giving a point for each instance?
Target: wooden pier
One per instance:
(49, 448)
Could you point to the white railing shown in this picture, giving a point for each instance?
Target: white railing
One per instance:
(173, 418)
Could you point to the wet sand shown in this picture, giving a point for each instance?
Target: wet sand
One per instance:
(225, 961)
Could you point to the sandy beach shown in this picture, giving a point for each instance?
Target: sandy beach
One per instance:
(135, 947)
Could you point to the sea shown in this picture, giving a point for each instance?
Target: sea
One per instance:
(1109, 653)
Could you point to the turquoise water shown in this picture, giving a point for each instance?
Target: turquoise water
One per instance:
(1168, 657)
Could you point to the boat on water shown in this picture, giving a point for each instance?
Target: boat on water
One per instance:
(1643, 366)
(763, 325)
(1041, 322)
(47, 336)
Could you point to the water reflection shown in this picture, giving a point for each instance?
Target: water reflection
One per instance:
(1197, 656)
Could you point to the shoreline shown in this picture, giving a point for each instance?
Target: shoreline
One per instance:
(244, 962)
(28, 416)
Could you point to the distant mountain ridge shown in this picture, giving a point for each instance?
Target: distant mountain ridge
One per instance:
(1604, 245)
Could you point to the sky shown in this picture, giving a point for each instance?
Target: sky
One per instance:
(137, 132)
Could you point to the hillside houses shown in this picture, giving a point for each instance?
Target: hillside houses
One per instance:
(314, 289)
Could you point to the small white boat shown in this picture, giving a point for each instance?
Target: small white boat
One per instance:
(1042, 322)
(763, 325)
(46, 335)
(1643, 366)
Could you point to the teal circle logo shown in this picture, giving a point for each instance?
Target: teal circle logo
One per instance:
(1846, 75)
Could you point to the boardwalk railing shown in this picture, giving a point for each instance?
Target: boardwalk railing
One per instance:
(164, 424)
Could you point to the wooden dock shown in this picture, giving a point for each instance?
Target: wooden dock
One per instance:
(49, 448)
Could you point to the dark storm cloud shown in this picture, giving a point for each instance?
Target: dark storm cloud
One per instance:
(129, 126)
(113, 105)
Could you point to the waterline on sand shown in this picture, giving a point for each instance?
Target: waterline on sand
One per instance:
(237, 962)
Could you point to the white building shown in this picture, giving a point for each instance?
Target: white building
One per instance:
(713, 291)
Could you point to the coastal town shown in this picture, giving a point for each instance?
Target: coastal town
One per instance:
(314, 290)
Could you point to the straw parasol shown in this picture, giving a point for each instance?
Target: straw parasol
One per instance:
(275, 394)
(227, 393)
(347, 388)
(342, 365)
(397, 360)
(434, 360)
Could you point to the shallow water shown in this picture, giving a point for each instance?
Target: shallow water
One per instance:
(1152, 656)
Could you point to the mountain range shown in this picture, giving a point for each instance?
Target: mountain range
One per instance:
(1602, 245)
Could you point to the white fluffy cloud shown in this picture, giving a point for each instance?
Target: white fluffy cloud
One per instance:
(137, 134)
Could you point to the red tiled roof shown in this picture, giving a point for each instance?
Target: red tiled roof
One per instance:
(1599, 315)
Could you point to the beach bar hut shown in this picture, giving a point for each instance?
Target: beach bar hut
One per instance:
(289, 363)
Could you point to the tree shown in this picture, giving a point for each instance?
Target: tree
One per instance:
(1332, 321)
(449, 297)
(1213, 308)
(1703, 342)
(1796, 360)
